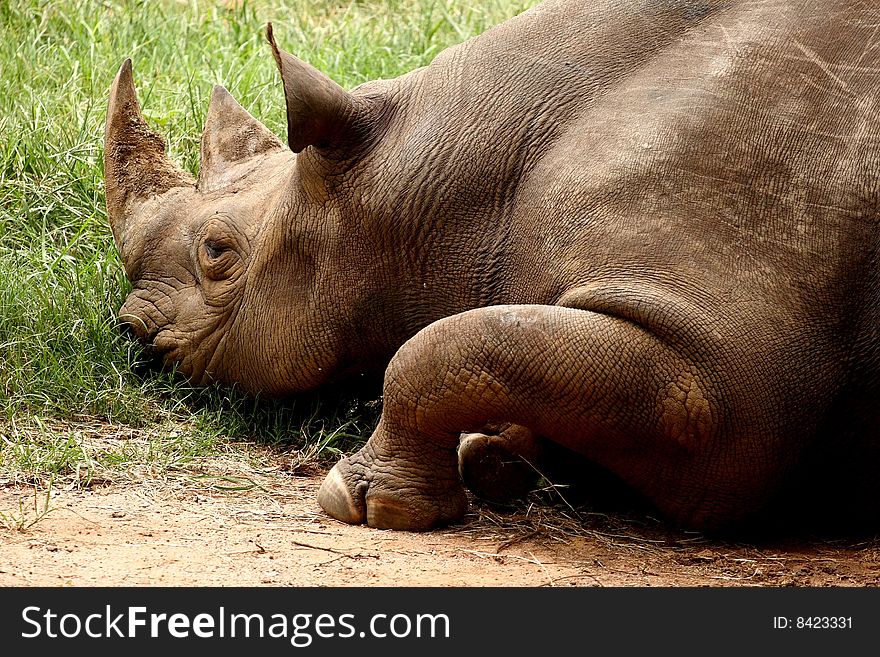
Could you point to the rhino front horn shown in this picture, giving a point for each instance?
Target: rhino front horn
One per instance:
(135, 164)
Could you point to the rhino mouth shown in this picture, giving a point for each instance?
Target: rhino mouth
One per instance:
(148, 362)
(150, 359)
(159, 353)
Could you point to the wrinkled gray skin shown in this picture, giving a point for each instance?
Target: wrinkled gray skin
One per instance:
(644, 231)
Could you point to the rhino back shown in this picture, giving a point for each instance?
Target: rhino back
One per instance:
(735, 172)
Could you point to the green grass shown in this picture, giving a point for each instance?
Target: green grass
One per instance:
(70, 405)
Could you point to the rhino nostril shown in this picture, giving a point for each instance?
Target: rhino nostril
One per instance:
(127, 329)
(133, 327)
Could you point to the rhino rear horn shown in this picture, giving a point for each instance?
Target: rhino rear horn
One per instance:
(135, 164)
(232, 142)
(320, 113)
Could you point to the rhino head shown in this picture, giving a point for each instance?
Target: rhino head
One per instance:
(231, 268)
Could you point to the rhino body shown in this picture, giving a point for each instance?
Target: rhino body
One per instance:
(646, 232)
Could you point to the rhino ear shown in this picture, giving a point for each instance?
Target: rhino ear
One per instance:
(320, 113)
(231, 142)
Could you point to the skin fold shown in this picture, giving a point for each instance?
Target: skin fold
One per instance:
(641, 233)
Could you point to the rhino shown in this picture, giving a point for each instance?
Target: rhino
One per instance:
(641, 236)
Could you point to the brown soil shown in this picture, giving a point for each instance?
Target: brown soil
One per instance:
(252, 527)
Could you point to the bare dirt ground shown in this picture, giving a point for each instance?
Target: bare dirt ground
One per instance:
(244, 526)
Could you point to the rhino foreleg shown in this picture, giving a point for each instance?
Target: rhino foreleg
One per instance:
(599, 385)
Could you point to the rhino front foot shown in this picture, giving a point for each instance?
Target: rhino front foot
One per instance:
(360, 490)
(498, 464)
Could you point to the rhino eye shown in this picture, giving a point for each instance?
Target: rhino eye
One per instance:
(214, 249)
(218, 258)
